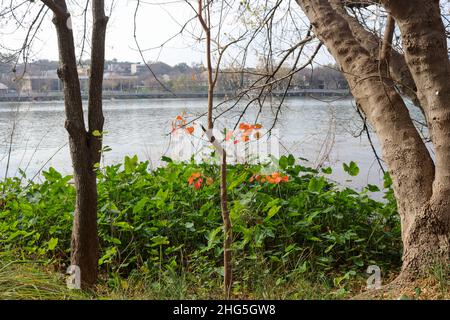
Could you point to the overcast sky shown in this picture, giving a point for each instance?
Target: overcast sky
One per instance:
(155, 24)
(157, 21)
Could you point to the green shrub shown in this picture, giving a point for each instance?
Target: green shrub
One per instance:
(154, 222)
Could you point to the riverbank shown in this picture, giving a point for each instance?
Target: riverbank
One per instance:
(119, 95)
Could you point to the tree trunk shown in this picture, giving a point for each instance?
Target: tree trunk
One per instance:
(398, 69)
(424, 221)
(426, 244)
(228, 232)
(84, 147)
(426, 53)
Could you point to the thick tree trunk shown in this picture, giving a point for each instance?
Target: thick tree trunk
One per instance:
(426, 53)
(424, 221)
(427, 242)
(84, 146)
(84, 253)
(398, 69)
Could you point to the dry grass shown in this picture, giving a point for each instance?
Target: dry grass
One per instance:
(21, 280)
(28, 281)
(436, 286)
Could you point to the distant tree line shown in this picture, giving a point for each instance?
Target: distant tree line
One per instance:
(129, 76)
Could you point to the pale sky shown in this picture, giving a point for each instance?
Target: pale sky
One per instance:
(155, 24)
(157, 21)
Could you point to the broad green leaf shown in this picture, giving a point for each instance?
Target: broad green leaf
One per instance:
(124, 226)
(327, 170)
(140, 205)
(130, 163)
(387, 180)
(291, 160)
(351, 168)
(52, 243)
(166, 159)
(373, 188)
(273, 211)
(159, 240)
(107, 257)
(283, 162)
(316, 184)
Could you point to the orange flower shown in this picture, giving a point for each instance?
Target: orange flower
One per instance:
(190, 130)
(257, 126)
(245, 138)
(244, 126)
(274, 178)
(271, 180)
(180, 122)
(277, 178)
(194, 176)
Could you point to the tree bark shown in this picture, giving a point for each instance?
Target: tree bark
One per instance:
(84, 147)
(398, 69)
(426, 53)
(95, 107)
(425, 232)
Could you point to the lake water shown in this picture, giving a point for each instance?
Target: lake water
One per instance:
(322, 132)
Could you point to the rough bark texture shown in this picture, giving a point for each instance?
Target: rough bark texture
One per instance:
(423, 206)
(84, 147)
(425, 46)
(95, 107)
(398, 69)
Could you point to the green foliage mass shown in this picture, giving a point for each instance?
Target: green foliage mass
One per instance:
(153, 222)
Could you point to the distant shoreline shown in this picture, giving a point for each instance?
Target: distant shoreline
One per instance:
(108, 95)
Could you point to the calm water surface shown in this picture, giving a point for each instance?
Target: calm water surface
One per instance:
(322, 132)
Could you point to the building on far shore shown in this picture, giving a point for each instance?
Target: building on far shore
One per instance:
(47, 81)
(117, 82)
